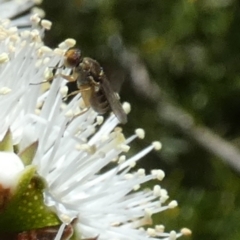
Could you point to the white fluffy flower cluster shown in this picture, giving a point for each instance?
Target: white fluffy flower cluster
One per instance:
(82, 159)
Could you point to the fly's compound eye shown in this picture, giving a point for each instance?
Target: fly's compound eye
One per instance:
(72, 58)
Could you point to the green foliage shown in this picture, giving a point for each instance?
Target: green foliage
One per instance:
(25, 209)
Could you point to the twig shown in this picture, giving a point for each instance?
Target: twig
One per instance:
(176, 116)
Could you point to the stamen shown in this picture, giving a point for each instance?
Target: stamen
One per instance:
(46, 24)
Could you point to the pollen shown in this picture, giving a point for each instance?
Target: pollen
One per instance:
(35, 19)
(157, 190)
(70, 42)
(122, 159)
(4, 58)
(5, 90)
(46, 60)
(157, 145)
(64, 91)
(46, 24)
(141, 172)
(151, 232)
(173, 204)
(160, 228)
(159, 174)
(127, 107)
(186, 232)
(140, 133)
(45, 49)
(99, 120)
(124, 147)
(69, 113)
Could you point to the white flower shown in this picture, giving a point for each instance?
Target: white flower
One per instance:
(19, 11)
(83, 161)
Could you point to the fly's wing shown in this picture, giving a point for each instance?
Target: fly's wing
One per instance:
(113, 100)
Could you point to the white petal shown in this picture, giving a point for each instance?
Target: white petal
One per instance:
(11, 167)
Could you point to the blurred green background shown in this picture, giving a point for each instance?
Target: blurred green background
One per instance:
(178, 64)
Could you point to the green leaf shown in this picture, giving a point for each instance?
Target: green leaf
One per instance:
(7, 144)
(28, 153)
(26, 209)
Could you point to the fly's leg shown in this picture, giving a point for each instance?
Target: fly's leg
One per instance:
(69, 78)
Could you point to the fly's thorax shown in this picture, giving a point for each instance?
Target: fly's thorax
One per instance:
(83, 77)
(92, 67)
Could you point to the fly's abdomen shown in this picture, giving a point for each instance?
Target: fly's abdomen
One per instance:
(99, 102)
